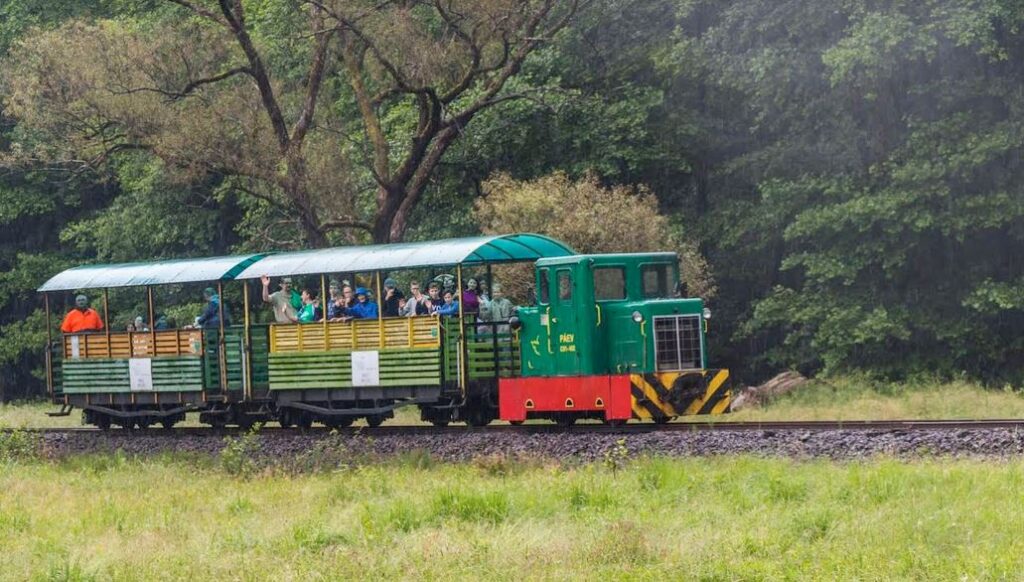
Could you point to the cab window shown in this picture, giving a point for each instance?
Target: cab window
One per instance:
(609, 283)
(544, 294)
(656, 281)
(564, 286)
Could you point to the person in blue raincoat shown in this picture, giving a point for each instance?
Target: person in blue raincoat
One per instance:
(363, 308)
(211, 315)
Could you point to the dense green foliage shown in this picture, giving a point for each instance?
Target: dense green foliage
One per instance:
(851, 171)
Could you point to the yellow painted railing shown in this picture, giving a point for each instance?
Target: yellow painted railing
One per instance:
(361, 334)
(134, 344)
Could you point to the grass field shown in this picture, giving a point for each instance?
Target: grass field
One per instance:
(838, 399)
(852, 398)
(713, 519)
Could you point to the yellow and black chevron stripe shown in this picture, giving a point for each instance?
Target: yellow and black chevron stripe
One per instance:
(664, 395)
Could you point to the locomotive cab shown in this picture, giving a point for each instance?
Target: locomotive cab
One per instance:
(610, 339)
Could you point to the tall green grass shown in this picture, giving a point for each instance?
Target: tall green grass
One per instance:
(853, 398)
(175, 517)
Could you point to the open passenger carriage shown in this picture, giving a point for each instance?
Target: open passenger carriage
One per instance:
(331, 372)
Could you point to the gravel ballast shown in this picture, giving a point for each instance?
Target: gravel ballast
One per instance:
(570, 447)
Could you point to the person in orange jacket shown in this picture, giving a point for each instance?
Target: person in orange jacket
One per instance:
(81, 318)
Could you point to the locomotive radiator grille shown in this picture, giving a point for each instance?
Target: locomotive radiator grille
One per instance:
(677, 343)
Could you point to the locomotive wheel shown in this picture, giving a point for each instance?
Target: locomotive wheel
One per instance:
(616, 422)
(103, 422)
(515, 422)
(374, 420)
(439, 422)
(662, 419)
(566, 421)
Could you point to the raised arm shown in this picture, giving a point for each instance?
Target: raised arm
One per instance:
(266, 288)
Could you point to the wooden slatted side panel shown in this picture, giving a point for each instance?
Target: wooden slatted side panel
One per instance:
(124, 344)
(260, 337)
(491, 350)
(233, 354)
(96, 375)
(488, 357)
(333, 369)
(57, 363)
(398, 332)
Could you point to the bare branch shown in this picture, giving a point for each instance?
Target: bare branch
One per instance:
(188, 88)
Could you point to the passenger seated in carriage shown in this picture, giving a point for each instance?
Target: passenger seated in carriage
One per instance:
(364, 308)
(81, 318)
(310, 311)
(392, 297)
(470, 299)
(211, 315)
(450, 306)
(417, 304)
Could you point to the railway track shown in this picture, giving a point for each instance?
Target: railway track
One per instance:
(529, 429)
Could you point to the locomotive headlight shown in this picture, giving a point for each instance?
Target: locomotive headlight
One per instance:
(706, 313)
(638, 317)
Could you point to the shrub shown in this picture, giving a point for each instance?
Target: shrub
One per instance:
(19, 445)
(238, 457)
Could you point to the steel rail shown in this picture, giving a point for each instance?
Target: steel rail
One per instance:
(767, 427)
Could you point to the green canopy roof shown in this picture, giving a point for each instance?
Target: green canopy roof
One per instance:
(443, 253)
(154, 273)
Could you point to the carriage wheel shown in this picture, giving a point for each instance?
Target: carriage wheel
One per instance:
(342, 422)
(374, 420)
(168, 423)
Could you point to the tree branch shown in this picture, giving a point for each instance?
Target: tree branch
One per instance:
(316, 76)
(235, 17)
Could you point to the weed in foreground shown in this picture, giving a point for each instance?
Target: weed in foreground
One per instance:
(238, 457)
(616, 456)
(20, 445)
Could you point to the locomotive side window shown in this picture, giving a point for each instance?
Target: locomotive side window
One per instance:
(656, 281)
(564, 286)
(609, 283)
(545, 295)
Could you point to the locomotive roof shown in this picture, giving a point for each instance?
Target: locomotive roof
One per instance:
(505, 248)
(442, 253)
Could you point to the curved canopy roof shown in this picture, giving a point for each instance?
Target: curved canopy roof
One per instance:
(155, 273)
(442, 253)
(359, 259)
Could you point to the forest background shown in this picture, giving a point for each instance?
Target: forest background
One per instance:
(843, 177)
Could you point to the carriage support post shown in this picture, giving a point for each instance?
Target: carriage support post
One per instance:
(106, 319)
(49, 346)
(462, 331)
(220, 342)
(246, 342)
